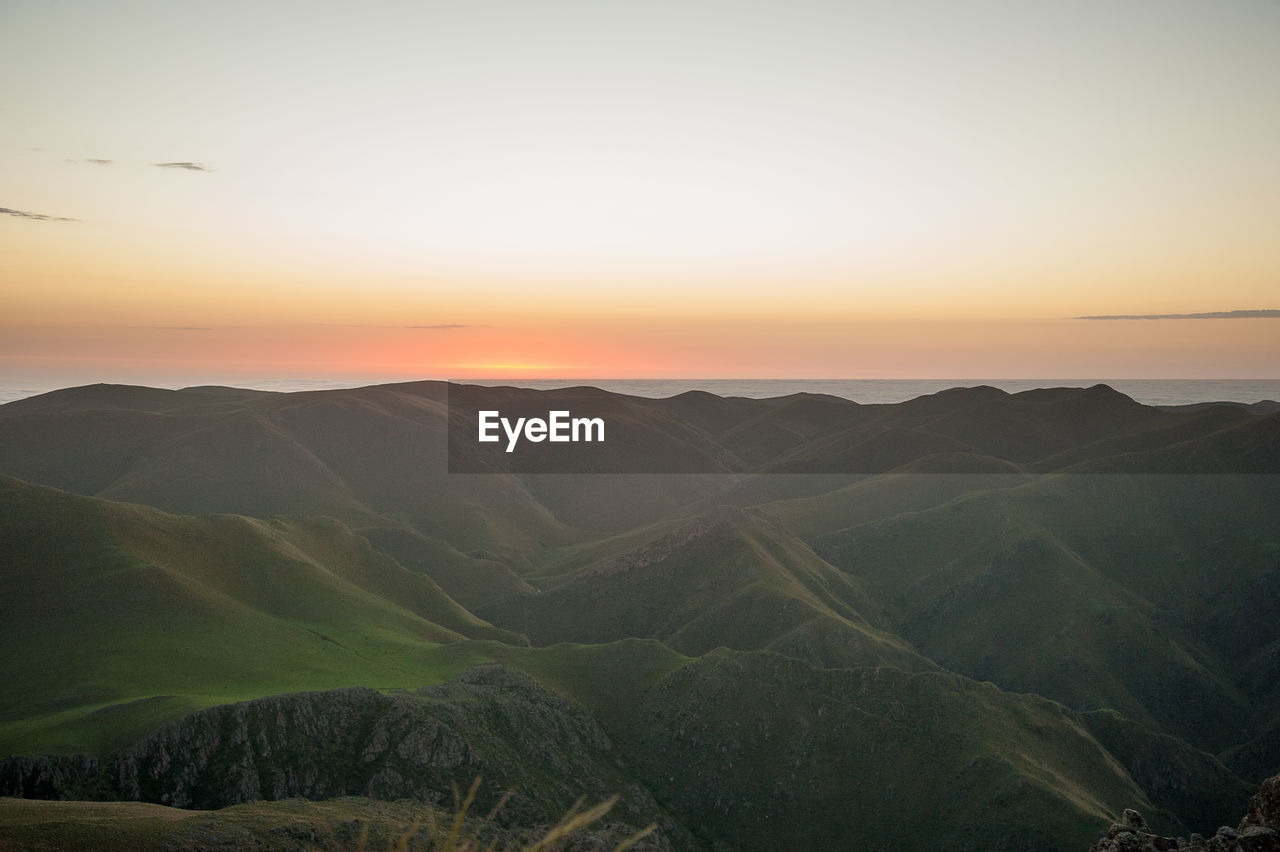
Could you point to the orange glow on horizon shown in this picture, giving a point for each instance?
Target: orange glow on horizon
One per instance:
(684, 347)
(638, 190)
(505, 368)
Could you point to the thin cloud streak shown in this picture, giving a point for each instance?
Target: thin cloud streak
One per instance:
(190, 167)
(41, 217)
(444, 326)
(1269, 314)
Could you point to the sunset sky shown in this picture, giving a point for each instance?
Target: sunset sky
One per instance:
(217, 192)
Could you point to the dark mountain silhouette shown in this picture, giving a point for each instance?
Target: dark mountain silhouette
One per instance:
(1011, 615)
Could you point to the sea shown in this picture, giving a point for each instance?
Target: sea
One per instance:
(866, 391)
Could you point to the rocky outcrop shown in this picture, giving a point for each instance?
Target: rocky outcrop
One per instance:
(1259, 831)
(490, 721)
(316, 745)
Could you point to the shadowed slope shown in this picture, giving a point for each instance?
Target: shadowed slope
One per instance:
(752, 750)
(108, 603)
(733, 578)
(765, 749)
(369, 456)
(1091, 590)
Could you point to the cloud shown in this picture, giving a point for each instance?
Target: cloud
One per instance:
(98, 161)
(23, 214)
(440, 327)
(183, 327)
(191, 167)
(1208, 315)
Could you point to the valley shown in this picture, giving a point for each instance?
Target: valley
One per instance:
(975, 619)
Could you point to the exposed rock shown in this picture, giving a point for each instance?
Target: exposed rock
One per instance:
(55, 777)
(490, 721)
(1264, 807)
(316, 745)
(1259, 831)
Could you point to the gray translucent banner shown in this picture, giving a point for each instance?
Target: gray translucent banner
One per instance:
(962, 430)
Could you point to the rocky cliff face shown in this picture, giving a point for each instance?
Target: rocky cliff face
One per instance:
(490, 721)
(315, 745)
(1259, 831)
(766, 786)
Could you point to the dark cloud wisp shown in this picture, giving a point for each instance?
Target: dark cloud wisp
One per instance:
(190, 167)
(24, 214)
(440, 327)
(1268, 314)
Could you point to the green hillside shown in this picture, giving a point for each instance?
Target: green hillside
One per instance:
(765, 749)
(117, 616)
(1091, 590)
(960, 652)
(732, 578)
(754, 750)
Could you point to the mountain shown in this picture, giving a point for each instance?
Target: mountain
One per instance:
(490, 722)
(974, 620)
(369, 457)
(113, 604)
(754, 750)
(972, 430)
(733, 578)
(370, 454)
(1092, 590)
(766, 749)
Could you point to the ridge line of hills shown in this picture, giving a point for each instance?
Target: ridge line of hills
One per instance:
(765, 657)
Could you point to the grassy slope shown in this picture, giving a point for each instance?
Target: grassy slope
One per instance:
(36, 826)
(292, 824)
(191, 611)
(1088, 589)
(871, 499)
(732, 578)
(611, 679)
(370, 456)
(766, 749)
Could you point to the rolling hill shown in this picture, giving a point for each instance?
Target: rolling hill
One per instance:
(116, 615)
(1009, 616)
(734, 578)
(1092, 590)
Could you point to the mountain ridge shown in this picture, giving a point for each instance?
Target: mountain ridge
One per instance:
(1022, 615)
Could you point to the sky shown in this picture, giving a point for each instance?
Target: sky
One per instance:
(595, 188)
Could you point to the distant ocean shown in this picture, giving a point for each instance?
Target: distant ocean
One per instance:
(1146, 391)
